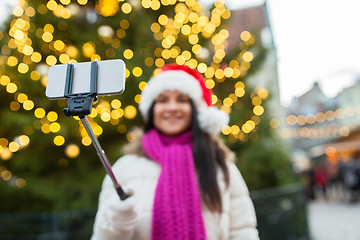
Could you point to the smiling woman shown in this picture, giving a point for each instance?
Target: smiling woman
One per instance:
(184, 184)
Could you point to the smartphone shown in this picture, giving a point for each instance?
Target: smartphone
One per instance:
(110, 78)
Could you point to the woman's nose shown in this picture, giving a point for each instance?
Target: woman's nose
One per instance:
(172, 105)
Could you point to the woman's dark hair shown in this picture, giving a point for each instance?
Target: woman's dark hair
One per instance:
(207, 156)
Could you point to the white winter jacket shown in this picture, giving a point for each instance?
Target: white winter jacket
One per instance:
(237, 220)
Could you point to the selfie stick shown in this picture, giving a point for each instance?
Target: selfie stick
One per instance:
(80, 104)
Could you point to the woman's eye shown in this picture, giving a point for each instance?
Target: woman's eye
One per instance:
(183, 99)
(161, 100)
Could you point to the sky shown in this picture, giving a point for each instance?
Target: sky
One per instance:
(315, 40)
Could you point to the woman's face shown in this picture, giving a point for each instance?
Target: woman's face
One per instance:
(172, 113)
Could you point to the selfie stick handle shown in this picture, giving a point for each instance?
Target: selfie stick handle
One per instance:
(103, 157)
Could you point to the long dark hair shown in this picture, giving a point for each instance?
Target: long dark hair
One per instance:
(208, 155)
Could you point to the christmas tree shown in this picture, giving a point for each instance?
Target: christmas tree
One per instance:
(46, 157)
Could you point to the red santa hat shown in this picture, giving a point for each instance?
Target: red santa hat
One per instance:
(190, 82)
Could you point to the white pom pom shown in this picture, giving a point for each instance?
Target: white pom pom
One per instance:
(212, 120)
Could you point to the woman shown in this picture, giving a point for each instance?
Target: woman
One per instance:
(184, 184)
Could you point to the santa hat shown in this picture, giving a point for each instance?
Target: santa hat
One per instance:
(190, 82)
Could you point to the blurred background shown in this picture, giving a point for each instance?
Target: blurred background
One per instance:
(287, 72)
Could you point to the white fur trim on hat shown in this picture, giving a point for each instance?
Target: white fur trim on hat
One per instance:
(212, 120)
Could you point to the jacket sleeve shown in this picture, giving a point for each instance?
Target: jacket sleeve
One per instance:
(104, 227)
(242, 212)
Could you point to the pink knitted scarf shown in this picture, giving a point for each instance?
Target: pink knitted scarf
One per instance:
(177, 211)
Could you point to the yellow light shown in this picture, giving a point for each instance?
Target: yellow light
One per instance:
(186, 30)
(124, 24)
(95, 56)
(228, 72)
(220, 53)
(202, 67)
(126, 8)
(193, 39)
(155, 27)
(82, 2)
(65, 2)
(155, 5)
(59, 45)
(52, 116)
(28, 105)
(163, 19)
(137, 71)
(6, 175)
(30, 11)
(12, 61)
(256, 100)
(105, 117)
(142, 85)
(18, 11)
(72, 51)
(235, 129)
(130, 112)
(180, 60)
(127, 73)
(19, 35)
(51, 5)
(24, 140)
(47, 37)
(128, 54)
(86, 141)
(98, 130)
(246, 128)
(116, 104)
(88, 49)
(115, 114)
(11, 88)
(210, 84)
(23, 68)
(239, 92)
(4, 80)
(14, 106)
(28, 50)
(226, 130)
(219, 73)
(146, 3)
(64, 58)
(137, 98)
(59, 140)
(245, 36)
(14, 147)
(248, 56)
(20, 182)
(228, 102)
(72, 150)
(263, 93)
(36, 57)
(22, 98)
(55, 127)
(214, 99)
(4, 142)
(258, 110)
(51, 60)
(39, 112)
(6, 154)
(193, 17)
(159, 62)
